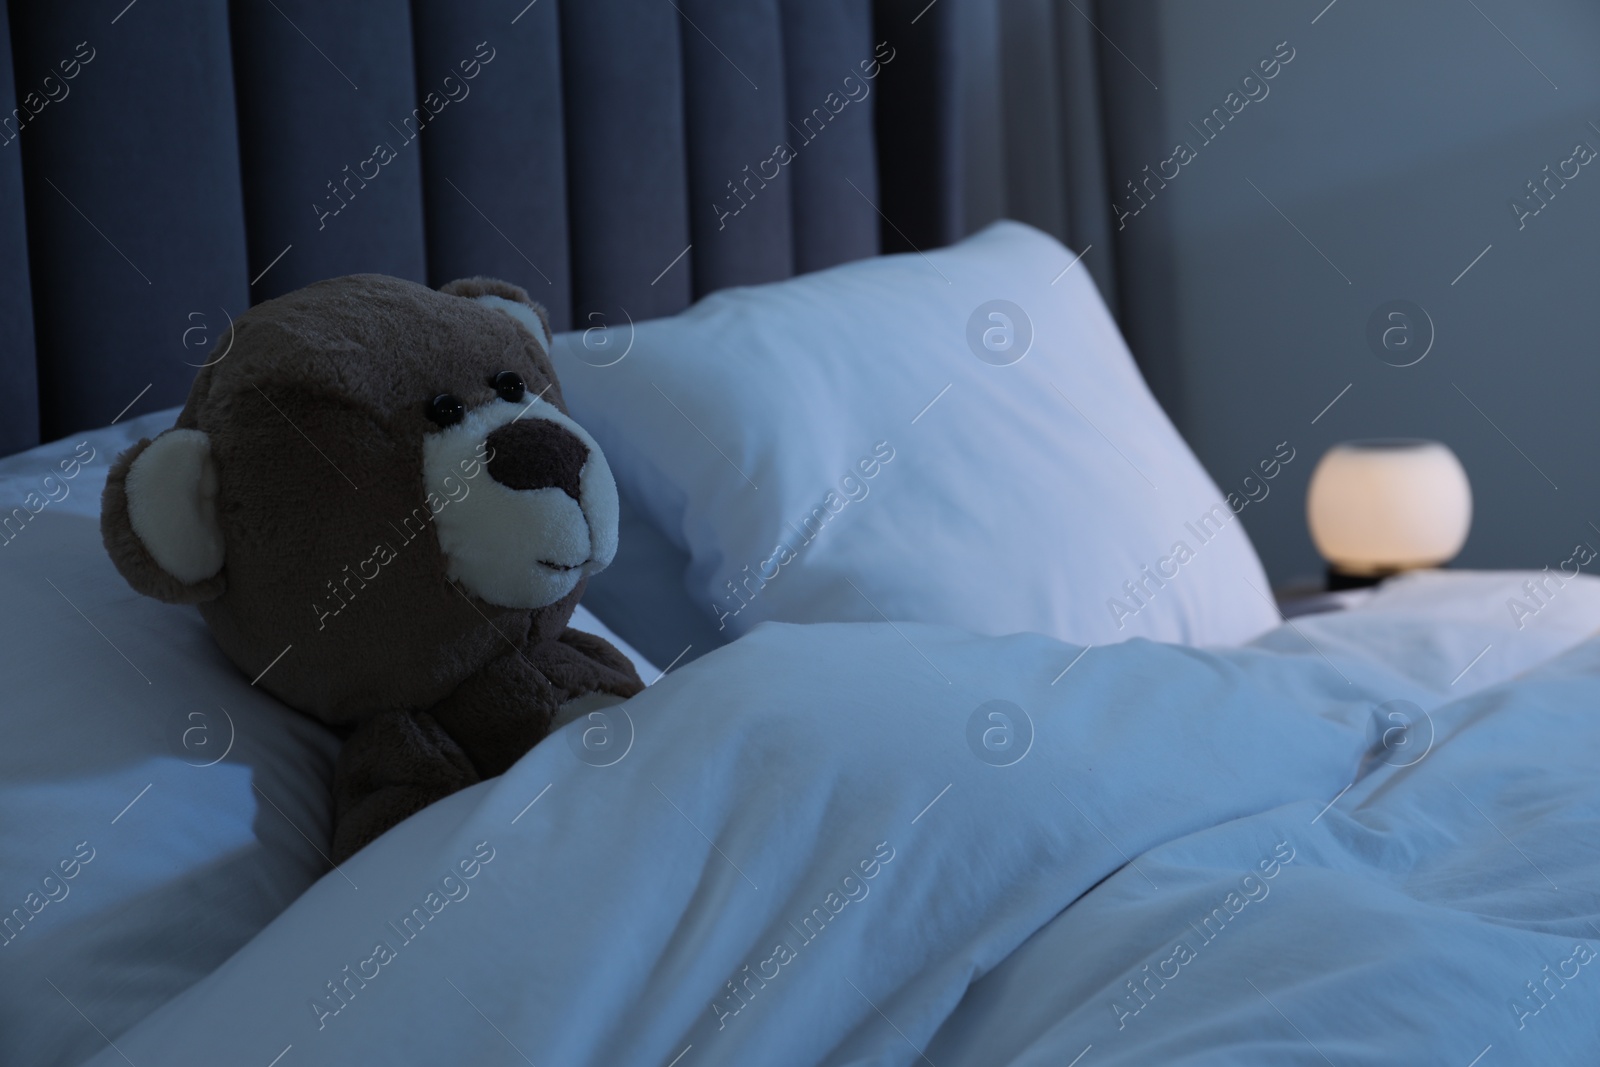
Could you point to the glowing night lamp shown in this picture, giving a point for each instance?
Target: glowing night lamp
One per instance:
(1382, 506)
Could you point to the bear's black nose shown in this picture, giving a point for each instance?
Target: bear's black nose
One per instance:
(536, 454)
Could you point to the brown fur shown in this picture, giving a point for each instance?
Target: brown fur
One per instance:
(316, 418)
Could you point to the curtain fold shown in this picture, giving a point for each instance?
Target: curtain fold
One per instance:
(1017, 130)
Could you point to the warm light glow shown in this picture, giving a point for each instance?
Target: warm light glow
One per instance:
(1387, 505)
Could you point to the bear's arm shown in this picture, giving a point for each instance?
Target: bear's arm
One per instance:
(397, 763)
(501, 712)
(392, 766)
(505, 709)
(583, 663)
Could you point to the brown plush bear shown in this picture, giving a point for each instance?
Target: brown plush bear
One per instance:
(377, 499)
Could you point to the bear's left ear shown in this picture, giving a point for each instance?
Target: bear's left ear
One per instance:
(511, 299)
(158, 518)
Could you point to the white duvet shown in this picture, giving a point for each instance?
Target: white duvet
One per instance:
(802, 849)
(813, 841)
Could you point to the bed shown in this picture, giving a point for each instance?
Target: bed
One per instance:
(972, 732)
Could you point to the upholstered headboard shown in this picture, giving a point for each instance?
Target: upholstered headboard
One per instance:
(165, 165)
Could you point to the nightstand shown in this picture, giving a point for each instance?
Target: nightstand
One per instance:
(1310, 597)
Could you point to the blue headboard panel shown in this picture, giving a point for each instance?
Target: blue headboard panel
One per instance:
(318, 88)
(132, 192)
(19, 382)
(165, 165)
(491, 208)
(208, 157)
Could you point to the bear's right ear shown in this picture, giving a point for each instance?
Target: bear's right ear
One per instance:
(511, 299)
(158, 518)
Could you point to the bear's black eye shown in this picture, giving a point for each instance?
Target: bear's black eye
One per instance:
(445, 410)
(508, 383)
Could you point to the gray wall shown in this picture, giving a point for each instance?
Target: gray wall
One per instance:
(1394, 140)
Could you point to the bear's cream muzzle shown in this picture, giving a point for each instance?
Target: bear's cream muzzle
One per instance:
(528, 505)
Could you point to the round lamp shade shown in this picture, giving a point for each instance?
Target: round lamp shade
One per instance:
(1381, 506)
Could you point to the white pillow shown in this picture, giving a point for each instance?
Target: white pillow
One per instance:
(833, 448)
(159, 811)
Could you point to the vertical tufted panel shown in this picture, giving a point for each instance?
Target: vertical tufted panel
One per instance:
(1031, 115)
(739, 198)
(19, 384)
(627, 172)
(830, 118)
(329, 121)
(494, 163)
(608, 155)
(1084, 145)
(132, 186)
(973, 63)
(918, 145)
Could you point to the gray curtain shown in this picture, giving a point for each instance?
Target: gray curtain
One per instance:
(1016, 131)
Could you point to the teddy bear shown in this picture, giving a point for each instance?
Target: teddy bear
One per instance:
(379, 503)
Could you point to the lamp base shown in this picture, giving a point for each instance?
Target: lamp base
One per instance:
(1340, 580)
